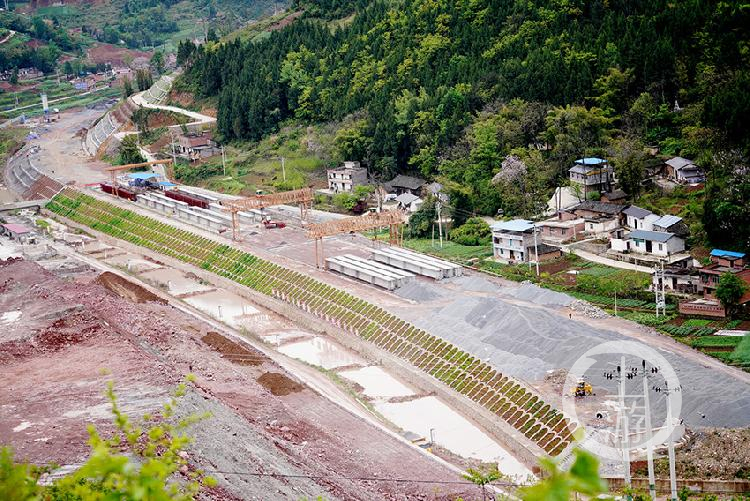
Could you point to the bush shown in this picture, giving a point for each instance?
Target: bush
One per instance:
(475, 231)
(345, 201)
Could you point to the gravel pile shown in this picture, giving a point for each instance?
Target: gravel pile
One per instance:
(539, 295)
(588, 309)
(418, 291)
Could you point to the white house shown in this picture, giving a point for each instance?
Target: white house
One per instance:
(657, 243)
(343, 179)
(639, 219)
(513, 241)
(684, 171)
(409, 202)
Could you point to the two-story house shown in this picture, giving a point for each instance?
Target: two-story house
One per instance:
(684, 171)
(343, 179)
(592, 174)
(513, 241)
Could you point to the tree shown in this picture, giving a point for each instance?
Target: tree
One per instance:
(475, 231)
(628, 159)
(129, 151)
(483, 477)
(14, 76)
(558, 485)
(144, 79)
(157, 62)
(730, 290)
(127, 87)
(422, 221)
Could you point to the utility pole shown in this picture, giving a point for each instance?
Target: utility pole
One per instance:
(223, 160)
(440, 223)
(670, 444)
(649, 436)
(624, 423)
(283, 169)
(536, 251)
(660, 300)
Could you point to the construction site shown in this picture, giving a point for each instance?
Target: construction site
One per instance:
(332, 363)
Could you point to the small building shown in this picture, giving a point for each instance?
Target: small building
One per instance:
(722, 261)
(684, 171)
(671, 224)
(614, 197)
(343, 179)
(406, 184)
(593, 209)
(408, 202)
(679, 279)
(657, 243)
(639, 219)
(18, 232)
(592, 174)
(561, 229)
(196, 146)
(513, 241)
(728, 258)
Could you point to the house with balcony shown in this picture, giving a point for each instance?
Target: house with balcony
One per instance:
(343, 179)
(592, 174)
(513, 241)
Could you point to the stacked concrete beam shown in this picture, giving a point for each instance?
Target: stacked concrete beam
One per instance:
(369, 271)
(420, 264)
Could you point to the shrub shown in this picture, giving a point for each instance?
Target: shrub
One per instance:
(475, 231)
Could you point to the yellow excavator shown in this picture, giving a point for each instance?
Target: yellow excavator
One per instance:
(582, 388)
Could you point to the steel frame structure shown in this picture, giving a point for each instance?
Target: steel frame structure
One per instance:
(302, 197)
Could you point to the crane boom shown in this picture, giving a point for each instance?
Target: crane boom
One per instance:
(302, 197)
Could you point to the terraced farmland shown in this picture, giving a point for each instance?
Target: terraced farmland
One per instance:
(501, 394)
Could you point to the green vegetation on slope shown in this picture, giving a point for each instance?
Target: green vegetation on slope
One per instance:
(451, 88)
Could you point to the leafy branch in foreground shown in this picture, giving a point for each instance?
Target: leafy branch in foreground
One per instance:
(135, 463)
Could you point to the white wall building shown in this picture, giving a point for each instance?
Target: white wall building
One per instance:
(639, 219)
(657, 243)
(343, 179)
(513, 241)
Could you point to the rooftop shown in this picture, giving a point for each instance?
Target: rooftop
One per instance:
(603, 207)
(411, 183)
(16, 228)
(406, 198)
(513, 225)
(667, 221)
(727, 254)
(591, 161)
(142, 175)
(636, 212)
(678, 162)
(654, 236)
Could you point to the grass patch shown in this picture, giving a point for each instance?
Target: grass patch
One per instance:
(708, 341)
(741, 354)
(450, 250)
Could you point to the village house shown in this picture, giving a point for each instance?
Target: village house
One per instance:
(684, 171)
(405, 184)
(722, 261)
(196, 146)
(679, 277)
(615, 197)
(592, 174)
(513, 241)
(408, 202)
(639, 219)
(656, 243)
(564, 227)
(343, 179)
(17, 232)
(601, 219)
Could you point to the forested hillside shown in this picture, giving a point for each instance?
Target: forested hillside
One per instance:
(449, 88)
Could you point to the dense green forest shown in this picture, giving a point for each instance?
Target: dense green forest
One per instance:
(451, 88)
(44, 58)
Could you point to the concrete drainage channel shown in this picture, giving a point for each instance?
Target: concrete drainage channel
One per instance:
(381, 392)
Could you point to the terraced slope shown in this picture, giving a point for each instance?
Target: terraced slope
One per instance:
(501, 394)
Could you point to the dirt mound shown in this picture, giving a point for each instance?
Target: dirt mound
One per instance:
(61, 334)
(127, 289)
(278, 384)
(232, 351)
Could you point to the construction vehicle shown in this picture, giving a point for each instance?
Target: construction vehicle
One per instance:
(269, 225)
(582, 389)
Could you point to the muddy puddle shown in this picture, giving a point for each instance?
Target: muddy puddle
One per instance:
(223, 305)
(321, 352)
(277, 338)
(175, 282)
(377, 383)
(451, 431)
(132, 263)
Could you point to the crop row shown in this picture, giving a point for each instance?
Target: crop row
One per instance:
(499, 393)
(686, 330)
